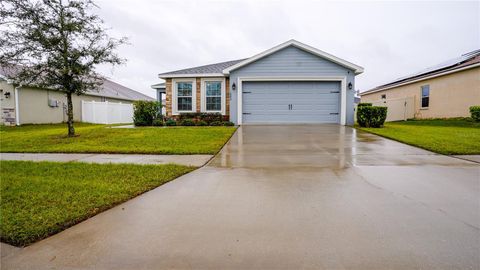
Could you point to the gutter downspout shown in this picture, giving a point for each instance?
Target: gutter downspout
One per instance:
(17, 109)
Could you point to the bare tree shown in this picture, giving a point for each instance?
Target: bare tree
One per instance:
(58, 44)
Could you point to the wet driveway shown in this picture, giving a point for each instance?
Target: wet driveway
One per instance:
(288, 197)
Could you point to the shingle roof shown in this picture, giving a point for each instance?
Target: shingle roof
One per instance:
(115, 90)
(107, 89)
(464, 60)
(207, 69)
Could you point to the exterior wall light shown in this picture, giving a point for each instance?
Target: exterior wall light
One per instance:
(350, 86)
(234, 87)
(7, 94)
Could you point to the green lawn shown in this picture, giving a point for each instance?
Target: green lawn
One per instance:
(42, 198)
(444, 136)
(101, 139)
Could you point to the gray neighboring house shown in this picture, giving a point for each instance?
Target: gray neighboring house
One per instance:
(288, 84)
(31, 105)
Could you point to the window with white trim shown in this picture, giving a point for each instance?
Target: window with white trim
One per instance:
(184, 96)
(425, 96)
(213, 96)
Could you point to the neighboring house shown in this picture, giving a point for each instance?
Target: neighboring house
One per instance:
(290, 83)
(30, 105)
(443, 91)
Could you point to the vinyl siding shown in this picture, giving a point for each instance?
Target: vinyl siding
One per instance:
(292, 61)
(450, 95)
(34, 109)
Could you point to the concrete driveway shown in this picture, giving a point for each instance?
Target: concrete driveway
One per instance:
(288, 197)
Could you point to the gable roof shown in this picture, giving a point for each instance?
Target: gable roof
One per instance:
(357, 69)
(107, 89)
(465, 61)
(212, 70)
(224, 68)
(158, 86)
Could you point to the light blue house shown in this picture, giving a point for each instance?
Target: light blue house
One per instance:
(291, 83)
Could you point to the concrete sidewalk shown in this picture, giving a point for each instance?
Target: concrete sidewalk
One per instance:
(287, 197)
(189, 160)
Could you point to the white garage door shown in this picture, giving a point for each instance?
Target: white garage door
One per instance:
(291, 102)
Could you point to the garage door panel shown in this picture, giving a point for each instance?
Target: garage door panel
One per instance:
(312, 102)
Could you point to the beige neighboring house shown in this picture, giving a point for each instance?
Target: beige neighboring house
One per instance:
(30, 105)
(443, 91)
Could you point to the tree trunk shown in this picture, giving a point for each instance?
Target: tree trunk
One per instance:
(71, 129)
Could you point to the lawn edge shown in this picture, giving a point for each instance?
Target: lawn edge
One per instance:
(415, 145)
(80, 220)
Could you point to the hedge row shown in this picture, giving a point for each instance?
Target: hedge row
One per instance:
(475, 113)
(371, 116)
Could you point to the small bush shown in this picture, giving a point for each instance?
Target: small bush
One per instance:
(207, 117)
(144, 112)
(141, 123)
(170, 123)
(216, 123)
(364, 104)
(228, 124)
(475, 113)
(211, 117)
(184, 116)
(157, 122)
(371, 116)
(201, 123)
(187, 122)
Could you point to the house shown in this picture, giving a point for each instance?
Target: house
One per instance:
(287, 84)
(160, 92)
(31, 105)
(443, 91)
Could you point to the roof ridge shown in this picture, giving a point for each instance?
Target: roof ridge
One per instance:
(451, 64)
(204, 66)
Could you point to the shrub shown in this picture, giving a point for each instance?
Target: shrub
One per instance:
(202, 123)
(364, 104)
(211, 117)
(228, 123)
(144, 112)
(207, 117)
(187, 122)
(216, 123)
(157, 122)
(171, 122)
(475, 112)
(371, 116)
(184, 116)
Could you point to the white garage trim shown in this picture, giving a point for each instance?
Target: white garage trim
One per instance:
(341, 79)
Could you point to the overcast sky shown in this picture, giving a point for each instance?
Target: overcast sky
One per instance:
(389, 39)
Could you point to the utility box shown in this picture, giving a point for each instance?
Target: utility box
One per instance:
(53, 103)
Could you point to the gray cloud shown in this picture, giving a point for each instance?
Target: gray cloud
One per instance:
(389, 39)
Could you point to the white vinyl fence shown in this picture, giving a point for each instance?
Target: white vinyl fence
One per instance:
(398, 108)
(106, 112)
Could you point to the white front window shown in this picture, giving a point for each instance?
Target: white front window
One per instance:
(213, 95)
(184, 96)
(184, 92)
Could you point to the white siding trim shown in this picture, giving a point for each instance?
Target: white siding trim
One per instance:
(174, 95)
(341, 79)
(203, 96)
(312, 50)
